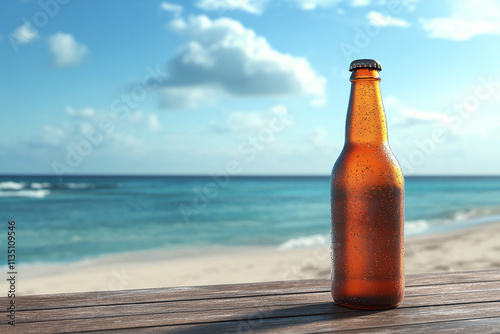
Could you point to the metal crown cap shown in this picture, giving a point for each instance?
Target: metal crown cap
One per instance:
(365, 63)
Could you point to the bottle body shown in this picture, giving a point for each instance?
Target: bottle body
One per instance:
(367, 206)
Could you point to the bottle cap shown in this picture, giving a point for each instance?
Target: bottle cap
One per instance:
(365, 63)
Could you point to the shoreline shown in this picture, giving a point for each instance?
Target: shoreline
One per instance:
(471, 248)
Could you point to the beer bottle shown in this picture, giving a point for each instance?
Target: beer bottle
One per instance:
(367, 203)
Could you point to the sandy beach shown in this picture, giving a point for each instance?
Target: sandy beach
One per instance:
(473, 248)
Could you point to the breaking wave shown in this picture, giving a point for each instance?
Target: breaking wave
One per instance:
(42, 189)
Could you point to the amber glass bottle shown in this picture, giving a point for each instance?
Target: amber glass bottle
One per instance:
(367, 203)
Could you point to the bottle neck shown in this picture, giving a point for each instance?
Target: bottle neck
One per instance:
(365, 116)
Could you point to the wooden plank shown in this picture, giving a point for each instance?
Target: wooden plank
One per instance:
(453, 277)
(483, 326)
(427, 290)
(226, 291)
(169, 294)
(346, 321)
(487, 292)
(177, 308)
(212, 313)
(288, 320)
(410, 291)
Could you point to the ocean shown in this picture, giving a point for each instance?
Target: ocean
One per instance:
(83, 217)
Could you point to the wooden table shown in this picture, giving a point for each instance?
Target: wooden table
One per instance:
(466, 302)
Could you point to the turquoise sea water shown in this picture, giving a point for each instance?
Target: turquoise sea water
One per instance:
(87, 216)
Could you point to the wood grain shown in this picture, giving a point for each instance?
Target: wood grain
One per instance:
(450, 302)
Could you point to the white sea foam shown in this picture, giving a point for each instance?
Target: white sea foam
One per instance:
(313, 240)
(475, 213)
(11, 185)
(40, 193)
(33, 189)
(37, 185)
(80, 185)
(416, 226)
(411, 227)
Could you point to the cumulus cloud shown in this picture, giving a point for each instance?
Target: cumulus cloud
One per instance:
(319, 102)
(250, 6)
(188, 97)
(51, 136)
(224, 58)
(243, 122)
(86, 123)
(382, 20)
(360, 3)
(317, 137)
(66, 50)
(135, 117)
(406, 116)
(25, 34)
(86, 112)
(409, 5)
(170, 7)
(469, 19)
(314, 4)
(154, 123)
(90, 114)
(239, 121)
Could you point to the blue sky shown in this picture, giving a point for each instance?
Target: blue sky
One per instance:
(243, 86)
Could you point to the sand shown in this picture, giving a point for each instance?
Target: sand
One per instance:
(474, 248)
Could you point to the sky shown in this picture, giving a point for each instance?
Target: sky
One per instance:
(243, 87)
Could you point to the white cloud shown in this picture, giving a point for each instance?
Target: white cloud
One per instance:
(154, 123)
(25, 34)
(127, 141)
(90, 114)
(52, 135)
(223, 58)
(170, 7)
(314, 4)
(319, 102)
(66, 50)
(317, 137)
(409, 5)
(87, 125)
(135, 117)
(189, 97)
(250, 121)
(377, 18)
(86, 112)
(239, 121)
(258, 6)
(360, 3)
(250, 6)
(406, 116)
(468, 19)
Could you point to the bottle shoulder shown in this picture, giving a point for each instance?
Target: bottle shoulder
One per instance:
(367, 152)
(367, 163)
